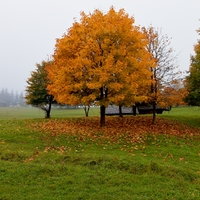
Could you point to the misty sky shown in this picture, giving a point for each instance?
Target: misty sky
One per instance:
(29, 28)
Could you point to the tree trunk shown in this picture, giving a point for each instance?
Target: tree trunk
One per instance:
(134, 110)
(102, 113)
(103, 96)
(47, 113)
(154, 113)
(48, 110)
(120, 111)
(86, 109)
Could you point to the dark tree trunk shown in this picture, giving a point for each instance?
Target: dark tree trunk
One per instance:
(48, 109)
(134, 110)
(103, 96)
(154, 91)
(86, 109)
(103, 116)
(120, 111)
(47, 114)
(154, 113)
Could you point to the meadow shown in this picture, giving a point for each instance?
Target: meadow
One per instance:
(70, 157)
(33, 113)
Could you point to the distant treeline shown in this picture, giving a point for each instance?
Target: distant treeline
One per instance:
(11, 98)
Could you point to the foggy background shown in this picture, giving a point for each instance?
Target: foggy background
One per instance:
(29, 28)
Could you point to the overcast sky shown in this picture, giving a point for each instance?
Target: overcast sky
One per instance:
(29, 28)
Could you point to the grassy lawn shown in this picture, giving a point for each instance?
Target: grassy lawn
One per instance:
(188, 115)
(32, 113)
(73, 158)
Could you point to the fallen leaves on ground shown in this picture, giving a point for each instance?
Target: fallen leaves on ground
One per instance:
(130, 129)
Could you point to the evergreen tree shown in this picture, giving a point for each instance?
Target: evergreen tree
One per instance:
(193, 79)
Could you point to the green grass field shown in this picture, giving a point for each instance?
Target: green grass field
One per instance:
(188, 115)
(32, 113)
(39, 164)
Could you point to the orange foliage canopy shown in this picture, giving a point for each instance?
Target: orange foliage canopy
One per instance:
(101, 54)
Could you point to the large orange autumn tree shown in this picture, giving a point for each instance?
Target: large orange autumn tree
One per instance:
(102, 58)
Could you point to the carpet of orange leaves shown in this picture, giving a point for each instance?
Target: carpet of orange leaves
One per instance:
(130, 129)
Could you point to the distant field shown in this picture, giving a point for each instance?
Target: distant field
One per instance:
(188, 111)
(31, 113)
(188, 115)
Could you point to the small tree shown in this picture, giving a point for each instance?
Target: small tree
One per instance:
(164, 73)
(37, 94)
(174, 95)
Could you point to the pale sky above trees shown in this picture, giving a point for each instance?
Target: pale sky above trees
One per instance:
(29, 28)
